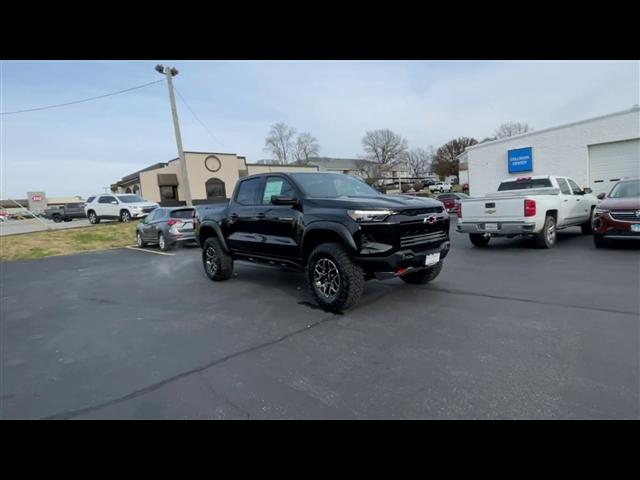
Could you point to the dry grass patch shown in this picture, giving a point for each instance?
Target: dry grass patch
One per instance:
(63, 242)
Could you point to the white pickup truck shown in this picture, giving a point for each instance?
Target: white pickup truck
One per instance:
(535, 206)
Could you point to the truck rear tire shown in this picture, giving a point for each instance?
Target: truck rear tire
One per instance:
(218, 264)
(423, 276)
(547, 237)
(335, 279)
(479, 239)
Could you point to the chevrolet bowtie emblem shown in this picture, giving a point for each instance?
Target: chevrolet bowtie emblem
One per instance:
(638, 213)
(491, 210)
(430, 220)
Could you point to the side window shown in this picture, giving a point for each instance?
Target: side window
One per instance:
(276, 186)
(90, 199)
(574, 186)
(107, 199)
(564, 186)
(248, 191)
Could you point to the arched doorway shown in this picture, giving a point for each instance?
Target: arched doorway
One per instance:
(128, 190)
(215, 189)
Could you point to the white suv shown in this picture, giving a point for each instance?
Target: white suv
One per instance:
(121, 206)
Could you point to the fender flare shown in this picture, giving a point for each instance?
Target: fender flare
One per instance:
(218, 231)
(336, 227)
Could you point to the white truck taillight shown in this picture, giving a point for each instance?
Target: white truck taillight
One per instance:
(529, 208)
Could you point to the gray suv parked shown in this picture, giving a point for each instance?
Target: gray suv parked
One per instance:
(166, 227)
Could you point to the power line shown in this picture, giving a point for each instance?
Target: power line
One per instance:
(81, 101)
(198, 119)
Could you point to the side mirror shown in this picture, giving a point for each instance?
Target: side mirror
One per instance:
(283, 200)
(587, 190)
(601, 196)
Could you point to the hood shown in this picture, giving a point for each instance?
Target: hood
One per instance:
(629, 203)
(391, 202)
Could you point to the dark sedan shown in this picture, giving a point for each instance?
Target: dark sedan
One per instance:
(451, 199)
(618, 215)
(166, 227)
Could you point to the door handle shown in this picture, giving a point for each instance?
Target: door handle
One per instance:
(260, 216)
(566, 200)
(234, 216)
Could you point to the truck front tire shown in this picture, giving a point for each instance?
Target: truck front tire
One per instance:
(547, 237)
(587, 227)
(423, 276)
(218, 264)
(335, 279)
(57, 218)
(479, 239)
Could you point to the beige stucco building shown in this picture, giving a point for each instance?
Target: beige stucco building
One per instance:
(211, 176)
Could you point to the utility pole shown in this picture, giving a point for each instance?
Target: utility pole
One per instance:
(171, 72)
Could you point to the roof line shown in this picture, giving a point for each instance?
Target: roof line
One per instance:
(565, 125)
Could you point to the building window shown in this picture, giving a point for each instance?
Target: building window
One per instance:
(215, 188)
(128, 190)
(136, 189)
(168, 192)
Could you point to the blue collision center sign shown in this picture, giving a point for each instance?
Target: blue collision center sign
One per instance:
(520, 160)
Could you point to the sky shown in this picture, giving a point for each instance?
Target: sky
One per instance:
(80, 149)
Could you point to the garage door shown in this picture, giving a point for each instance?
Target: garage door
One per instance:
(610, 162)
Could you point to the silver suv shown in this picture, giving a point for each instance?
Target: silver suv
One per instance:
(121, 206)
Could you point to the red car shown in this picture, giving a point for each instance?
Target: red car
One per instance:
(618, 215)
(451, 199)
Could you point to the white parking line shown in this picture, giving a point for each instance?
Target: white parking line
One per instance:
(151, 251)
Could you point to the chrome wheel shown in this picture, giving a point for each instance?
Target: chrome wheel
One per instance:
(551, 233)
(162, 242)
(139, 239)
(326, 278)
(211, 261)
(125, 216)
(92, 217)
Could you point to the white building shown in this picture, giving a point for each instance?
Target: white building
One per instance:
(596, 153)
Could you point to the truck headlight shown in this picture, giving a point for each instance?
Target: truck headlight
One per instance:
(369, 215)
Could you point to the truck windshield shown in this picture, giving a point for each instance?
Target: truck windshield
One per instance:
(333, 185)
(524, 184)
(130, 198)
(626, 189)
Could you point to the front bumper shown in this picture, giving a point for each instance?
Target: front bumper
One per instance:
(606, 226)
(503, 228)
(400, 261)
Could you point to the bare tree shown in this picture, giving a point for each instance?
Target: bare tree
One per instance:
(417, 161)
(509, 129)
(306, 146)
(446, 162)
(279, 143)
(384, 148)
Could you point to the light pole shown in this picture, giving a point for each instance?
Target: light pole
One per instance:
(171, 72)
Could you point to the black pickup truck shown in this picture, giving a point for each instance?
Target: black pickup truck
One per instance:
(65, 213)
(334, 226)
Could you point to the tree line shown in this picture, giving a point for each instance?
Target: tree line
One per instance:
(383, 150)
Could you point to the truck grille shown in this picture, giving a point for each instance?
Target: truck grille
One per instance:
(628, 215)
(412, 212)
(420, 238)
(148, 209)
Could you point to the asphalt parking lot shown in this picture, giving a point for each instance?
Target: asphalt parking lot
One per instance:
(510, 332)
